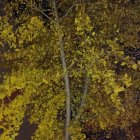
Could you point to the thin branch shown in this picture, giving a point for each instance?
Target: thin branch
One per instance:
(41, 11)
(44, 13)
(68, 11)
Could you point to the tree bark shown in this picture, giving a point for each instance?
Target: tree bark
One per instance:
(66, 77)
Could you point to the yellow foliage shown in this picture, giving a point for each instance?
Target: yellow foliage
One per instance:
(94, 59)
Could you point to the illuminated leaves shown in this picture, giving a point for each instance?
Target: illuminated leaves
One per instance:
(94, 43)
(134, 66)
(83, 23)
(45, 81)
(127, 80)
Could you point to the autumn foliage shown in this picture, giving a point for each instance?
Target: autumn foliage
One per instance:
(72, 71)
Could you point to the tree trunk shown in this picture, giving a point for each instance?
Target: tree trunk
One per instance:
(66, 77)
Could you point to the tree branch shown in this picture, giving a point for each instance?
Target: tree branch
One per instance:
(43, 13)
(66, 77)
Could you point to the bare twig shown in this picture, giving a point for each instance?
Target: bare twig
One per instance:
(69, 10)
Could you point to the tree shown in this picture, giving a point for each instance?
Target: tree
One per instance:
(85, 51)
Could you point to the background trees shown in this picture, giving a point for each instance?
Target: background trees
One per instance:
(96, 39)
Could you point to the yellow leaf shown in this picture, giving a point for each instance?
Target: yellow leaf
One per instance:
(123, 63)
(79, 28)
(118, 89)
(134, 66)
(127, 80)
(93, 33)
(76, 21)
(45, 81)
